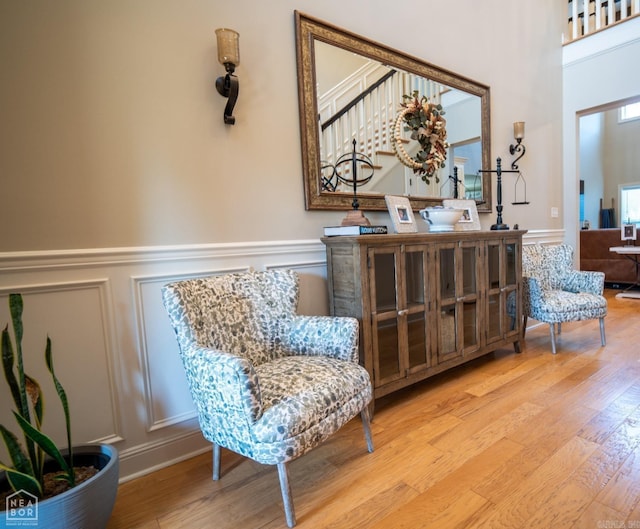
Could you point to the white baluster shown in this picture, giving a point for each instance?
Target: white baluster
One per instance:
(623, 9)
(611, 12)
(384, 114)
(585, 17)
(371, 117)
(363, 120)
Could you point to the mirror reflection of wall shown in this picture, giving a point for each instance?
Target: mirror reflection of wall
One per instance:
(610, 166)
(471, 180)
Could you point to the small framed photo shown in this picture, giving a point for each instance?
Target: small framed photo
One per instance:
(628, 232)
(469, 220)
(401, 214)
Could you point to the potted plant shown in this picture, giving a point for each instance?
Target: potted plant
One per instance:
(72, 488)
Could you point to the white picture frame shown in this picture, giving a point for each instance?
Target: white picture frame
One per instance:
(470, 220)
(628, 232)
(401, 214)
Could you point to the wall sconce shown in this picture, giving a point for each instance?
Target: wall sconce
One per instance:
(518, 134)
(229, 56)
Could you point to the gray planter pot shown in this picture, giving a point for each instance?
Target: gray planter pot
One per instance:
(87, 506)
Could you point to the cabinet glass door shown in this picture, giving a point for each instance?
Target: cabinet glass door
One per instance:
(399, 311)
(416, 298)
(458, 298)
(494, 297)
(448, 321)
(511, 288)
(469, 298)
(384, 314)
(503, 302)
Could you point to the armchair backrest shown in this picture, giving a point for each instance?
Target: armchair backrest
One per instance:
(235, 313)
(549, 264)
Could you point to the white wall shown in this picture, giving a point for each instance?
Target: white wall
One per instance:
(118, 173)
(112, 131)
(592, 166)
(621, 155)
(608, 158)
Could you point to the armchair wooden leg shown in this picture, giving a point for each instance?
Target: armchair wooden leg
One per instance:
(524, 326)
(603, 341)
(285, 489)
(216, 462)
(552, 329)
(366, 424)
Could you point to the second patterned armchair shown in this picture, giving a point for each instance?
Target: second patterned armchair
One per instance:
(555, 293)
(267, 383)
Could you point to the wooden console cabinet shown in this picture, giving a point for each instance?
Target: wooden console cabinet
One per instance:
(426, 302)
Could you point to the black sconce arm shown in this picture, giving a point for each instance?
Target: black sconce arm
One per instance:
(228, 87)
(519, 147)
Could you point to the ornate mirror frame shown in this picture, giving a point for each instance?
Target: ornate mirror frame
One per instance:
(309, 30)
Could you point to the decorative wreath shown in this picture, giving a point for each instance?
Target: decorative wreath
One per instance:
(428, 127)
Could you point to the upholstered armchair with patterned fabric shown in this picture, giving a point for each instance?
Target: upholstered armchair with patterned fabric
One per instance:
(555, 293)
(267, 383)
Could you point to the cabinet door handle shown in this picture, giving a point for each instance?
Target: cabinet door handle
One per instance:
(403, 312)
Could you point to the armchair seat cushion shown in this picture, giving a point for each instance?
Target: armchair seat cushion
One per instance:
(299, 393)
(559, 306)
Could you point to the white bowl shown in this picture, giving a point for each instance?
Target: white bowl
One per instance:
(440, 218)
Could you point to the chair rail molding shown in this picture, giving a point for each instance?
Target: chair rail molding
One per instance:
(544, 236)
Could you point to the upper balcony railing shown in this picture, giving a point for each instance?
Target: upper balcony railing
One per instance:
(589, 16)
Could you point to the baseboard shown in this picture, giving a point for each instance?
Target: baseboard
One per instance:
(150, 457)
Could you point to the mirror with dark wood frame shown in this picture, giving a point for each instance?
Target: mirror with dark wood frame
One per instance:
(350, 89)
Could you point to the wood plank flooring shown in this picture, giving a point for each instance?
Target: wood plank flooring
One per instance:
(508, 441)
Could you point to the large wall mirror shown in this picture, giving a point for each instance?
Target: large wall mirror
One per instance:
(350, 93)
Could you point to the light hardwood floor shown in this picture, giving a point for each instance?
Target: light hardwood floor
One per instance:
(509, 441)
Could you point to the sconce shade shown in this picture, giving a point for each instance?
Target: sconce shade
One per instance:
(518, 130)
(228, 46)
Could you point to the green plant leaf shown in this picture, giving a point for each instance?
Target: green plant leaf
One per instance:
(20, 396)
(15, 308)
(36, 397)
(19, 459)
(43, 441)
(65, 406)
(20, 481)
(8, 359)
